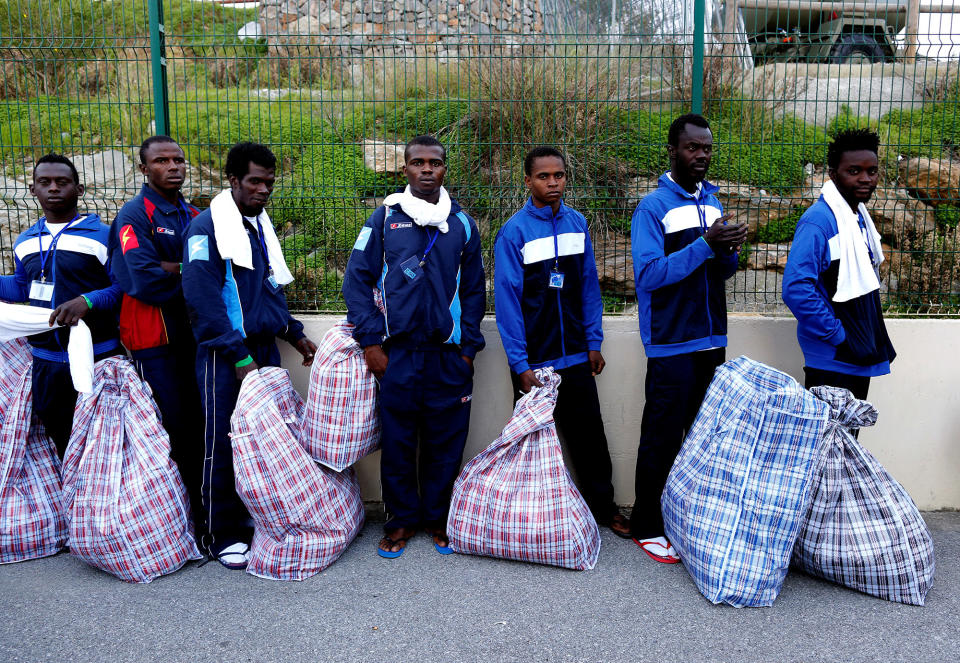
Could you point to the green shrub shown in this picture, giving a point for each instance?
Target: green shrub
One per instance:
(780, 230)
(846, 120)
(947, 216)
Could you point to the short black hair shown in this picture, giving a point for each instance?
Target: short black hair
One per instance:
(153, 140)
(427, 140)
(241, 154)
(851, 140)
(678, 125)
(58, 158)
(539, 153)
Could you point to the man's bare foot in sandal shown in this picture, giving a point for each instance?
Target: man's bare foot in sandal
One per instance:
(394, 542)
(440, 540)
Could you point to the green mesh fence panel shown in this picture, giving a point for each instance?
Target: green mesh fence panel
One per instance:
(336, 87)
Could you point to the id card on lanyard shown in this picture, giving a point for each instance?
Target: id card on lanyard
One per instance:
(556, 276)
(271, 281)
(42, 290)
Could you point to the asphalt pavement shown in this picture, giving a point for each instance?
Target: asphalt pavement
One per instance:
(428, 607)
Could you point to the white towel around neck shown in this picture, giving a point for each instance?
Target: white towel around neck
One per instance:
(233, 243)
(857, 275)
(422, 212)
(18, 320)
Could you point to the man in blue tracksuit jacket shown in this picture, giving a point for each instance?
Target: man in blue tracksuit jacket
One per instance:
(236, 313)
(844, 340)
(683, 251)
(423, 254)
(550, 313)
(146, 249)
(62, 262)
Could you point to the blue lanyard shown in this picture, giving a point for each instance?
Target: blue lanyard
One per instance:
(52, 249)
(183, 215)
(556, 247)
(863, 231)
(433, 240)
(263, 245)
(702, 213)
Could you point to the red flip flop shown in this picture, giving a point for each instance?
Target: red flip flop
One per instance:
(652, 548)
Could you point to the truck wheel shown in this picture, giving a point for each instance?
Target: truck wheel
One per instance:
(852, 48)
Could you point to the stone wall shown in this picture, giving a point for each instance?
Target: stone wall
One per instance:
(442, 28)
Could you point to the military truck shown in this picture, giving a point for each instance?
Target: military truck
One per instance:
(832, 32)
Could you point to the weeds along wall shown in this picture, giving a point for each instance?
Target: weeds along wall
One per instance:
(336, 87)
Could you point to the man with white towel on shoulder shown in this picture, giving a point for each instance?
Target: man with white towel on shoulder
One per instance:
(831, 281)
(233, 278)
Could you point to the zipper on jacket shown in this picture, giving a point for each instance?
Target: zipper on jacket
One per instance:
(706, 278)
(556, 266)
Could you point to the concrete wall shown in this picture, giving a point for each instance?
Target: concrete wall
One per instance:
(917, 436)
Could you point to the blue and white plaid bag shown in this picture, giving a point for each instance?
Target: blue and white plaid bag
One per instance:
(738, 492)
(863, 529)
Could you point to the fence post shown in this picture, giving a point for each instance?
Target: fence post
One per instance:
(699, 13)
(158, 67)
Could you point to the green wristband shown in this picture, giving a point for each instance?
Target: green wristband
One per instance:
(244, 362)
(87, 300)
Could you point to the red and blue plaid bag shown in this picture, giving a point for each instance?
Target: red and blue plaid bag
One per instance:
(342, 423)
(516, 500)
(127, 503)
(32, 520)
(304, 515)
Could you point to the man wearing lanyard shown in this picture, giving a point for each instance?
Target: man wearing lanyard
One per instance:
(62, 262)
(237, 308)
(423, 254)
(146, 249)
(831, 282)
(683, 251)
(550, 313)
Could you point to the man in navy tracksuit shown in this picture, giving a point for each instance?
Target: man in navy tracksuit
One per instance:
(837, 304)
(237, 312)
(423, 254)
(549, 313)
(683, 251)
(62, 262)
(146, 249)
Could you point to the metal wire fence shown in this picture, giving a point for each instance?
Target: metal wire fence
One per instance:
(336, 87)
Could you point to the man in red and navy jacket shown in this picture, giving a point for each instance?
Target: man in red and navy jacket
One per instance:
(146, 249)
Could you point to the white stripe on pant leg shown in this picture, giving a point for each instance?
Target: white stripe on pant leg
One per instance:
(207, 459)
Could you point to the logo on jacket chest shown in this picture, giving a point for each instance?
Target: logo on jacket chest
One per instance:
(166, 231)
(401, 224)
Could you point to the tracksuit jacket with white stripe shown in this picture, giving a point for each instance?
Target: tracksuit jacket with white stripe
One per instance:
(844, 337)
(680, 282)
(80, 265)
(444, 304)
(540, 325)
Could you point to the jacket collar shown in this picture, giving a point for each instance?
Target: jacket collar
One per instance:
(706, 188)
(454, 206)
(160, 202)
(87, 221)
(543, 213)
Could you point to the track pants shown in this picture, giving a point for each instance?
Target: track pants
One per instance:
(674, 388)
(425, 399)
(170, 372)
(227, 519)
(578, 418)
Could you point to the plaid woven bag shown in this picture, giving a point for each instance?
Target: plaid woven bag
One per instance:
(516, 500)
(304, 515)
(32, 521)
(862, 529)
(128, 508)
(342, 422)
(738, 491)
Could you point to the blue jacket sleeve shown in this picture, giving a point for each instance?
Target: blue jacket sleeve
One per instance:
(15, 287)
(293, 332)
(106, 299)
(473, 294)
(809, 257)
(363, 272)
(138, 270)
(592, 301)
(507, 292)
(203, 281)
(651, 268)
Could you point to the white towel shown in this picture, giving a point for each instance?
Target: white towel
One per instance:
(422, 212)
(232, 241)
(857, 275)
(17, 320)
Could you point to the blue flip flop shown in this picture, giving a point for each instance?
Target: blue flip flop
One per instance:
(443, 550)
(388, 554)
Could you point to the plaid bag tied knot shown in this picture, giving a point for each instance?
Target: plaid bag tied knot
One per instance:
(305, 515)
(342, 420)
(129, 513)
(32, 519)
(516, 500)
(862, 529)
